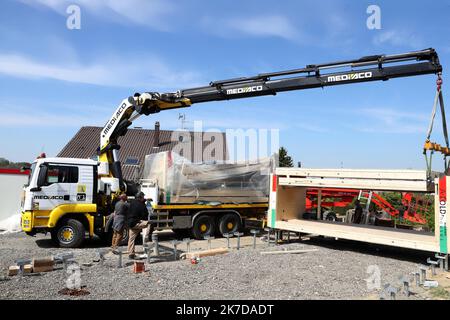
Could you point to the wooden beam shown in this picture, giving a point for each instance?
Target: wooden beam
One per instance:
(43, 264)
(204, 253)
(289, 251)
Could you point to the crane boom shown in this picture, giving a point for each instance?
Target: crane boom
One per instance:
(365, 69)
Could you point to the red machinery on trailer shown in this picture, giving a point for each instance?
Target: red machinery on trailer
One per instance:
(414, 206)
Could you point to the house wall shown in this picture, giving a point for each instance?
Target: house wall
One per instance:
(11, 185)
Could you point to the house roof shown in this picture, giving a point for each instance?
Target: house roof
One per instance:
(137, 143)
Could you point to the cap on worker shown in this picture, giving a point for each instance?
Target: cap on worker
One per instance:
(140, 195)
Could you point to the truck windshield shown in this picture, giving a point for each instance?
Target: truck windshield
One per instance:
(32, 170)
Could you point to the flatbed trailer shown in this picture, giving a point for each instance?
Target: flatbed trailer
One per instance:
(200, 220)
(288, 199)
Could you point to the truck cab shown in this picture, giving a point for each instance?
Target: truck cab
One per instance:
(61, 197)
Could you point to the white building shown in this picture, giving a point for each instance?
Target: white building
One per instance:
(11, 186)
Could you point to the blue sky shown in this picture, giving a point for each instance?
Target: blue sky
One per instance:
(54, 80)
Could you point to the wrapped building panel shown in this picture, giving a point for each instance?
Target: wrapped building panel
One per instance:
(181, 181)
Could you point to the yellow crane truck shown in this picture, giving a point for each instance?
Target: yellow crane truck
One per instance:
(71, 197)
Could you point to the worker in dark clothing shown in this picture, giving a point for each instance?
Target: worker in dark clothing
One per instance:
(357, 217)
(119, 216)
(137, 219)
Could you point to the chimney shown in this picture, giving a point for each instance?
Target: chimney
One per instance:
(156, 135)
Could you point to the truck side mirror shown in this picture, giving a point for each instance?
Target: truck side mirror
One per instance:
(42, 175)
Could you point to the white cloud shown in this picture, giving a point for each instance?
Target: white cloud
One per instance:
(277, 26)
(151, 13)
(398, 38)
(147, 72)
(384, 120)
(259, 26)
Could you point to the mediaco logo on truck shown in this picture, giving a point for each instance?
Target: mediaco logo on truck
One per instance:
(244, 90)
(350, 76)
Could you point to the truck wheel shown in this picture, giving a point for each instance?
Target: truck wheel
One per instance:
(70, 234)
(203, 226)
(229, 223)
(54, 235)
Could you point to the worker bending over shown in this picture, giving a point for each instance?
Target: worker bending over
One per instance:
(137, 220)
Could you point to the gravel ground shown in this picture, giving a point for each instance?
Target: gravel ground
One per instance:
(338, 270)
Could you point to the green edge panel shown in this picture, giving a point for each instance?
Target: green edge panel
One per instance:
(272, 219)
(443, 239)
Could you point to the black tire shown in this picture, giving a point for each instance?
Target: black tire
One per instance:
(229, 223)
(70, 234)
(54, 236)
(203, 226)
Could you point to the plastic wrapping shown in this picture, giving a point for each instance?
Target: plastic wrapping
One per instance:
(180, 181)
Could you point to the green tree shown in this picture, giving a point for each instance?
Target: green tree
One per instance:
(5, 163)
(284, 159)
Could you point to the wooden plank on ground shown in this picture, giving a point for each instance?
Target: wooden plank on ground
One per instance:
(28, 268)
(13, 270)
(289, 251)
(43, 264)
(204, 253)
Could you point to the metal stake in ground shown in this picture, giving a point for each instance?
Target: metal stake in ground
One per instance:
(188, 244)
(228, 236)
(101, 255)
(406, 291)
(21, 263)
(441, 260)
(156, 244)
(64, 258)
(175, 243)
(417, 277)
(268, 235)
(392, 292)
(433, 265)
(119, 262)
(423, 274)
(238, 235)
(148, 250)
(254, 232)
(209, 238)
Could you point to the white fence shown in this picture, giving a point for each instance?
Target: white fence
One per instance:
(11, 186)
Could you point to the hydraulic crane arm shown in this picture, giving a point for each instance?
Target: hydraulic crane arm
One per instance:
(366, 69)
